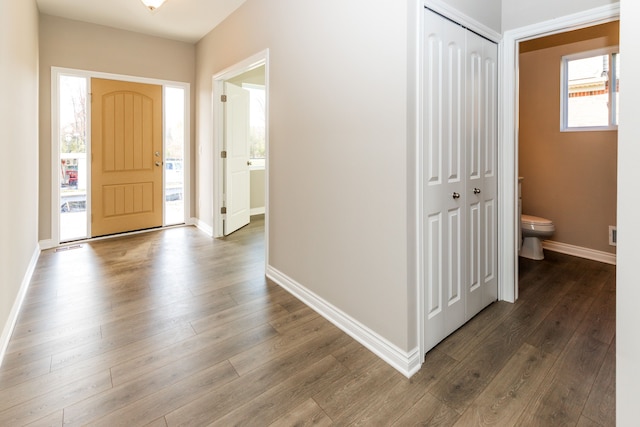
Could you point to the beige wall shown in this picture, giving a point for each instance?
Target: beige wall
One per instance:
(338, 147)
(257, 189)
(255, 76)
(19, 148)
(569, 177)
(72, 44)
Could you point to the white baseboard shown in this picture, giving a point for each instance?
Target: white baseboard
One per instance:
(17, 304)
(407, 363)
(257, 211)
(205, 228)
(46, 244)
(578, 251)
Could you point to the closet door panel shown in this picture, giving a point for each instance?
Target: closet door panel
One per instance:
(443, 153)
(490, 177)
(474, 173)
(481, 172)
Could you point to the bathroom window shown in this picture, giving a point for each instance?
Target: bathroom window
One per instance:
(590, 90)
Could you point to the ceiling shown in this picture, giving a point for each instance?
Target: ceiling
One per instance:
(184, 20)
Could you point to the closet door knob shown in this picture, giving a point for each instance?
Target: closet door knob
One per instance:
(455, 195)
(476, 191)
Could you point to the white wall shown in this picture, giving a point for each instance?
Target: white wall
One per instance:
(486, 12)
(338, 147)
(628, 291)
(19, 148)
(519, 13)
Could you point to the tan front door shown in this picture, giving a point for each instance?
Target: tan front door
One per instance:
(126, 147)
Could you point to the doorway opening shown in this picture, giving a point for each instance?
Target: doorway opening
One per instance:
(567, 138)
(509, 100)
(240, 122)
(72, 152)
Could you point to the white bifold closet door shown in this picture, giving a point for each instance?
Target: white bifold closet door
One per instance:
(459, 211)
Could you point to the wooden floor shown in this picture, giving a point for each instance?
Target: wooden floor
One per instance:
(174, 328)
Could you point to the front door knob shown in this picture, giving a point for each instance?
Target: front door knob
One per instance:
(455, 195)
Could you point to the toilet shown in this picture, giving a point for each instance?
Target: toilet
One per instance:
(534, 231)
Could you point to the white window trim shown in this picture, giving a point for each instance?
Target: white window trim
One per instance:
(564, 90)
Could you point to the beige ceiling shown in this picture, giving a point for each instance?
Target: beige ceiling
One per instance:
(184, 20)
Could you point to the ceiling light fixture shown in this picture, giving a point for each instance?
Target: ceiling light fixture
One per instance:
(152, 4)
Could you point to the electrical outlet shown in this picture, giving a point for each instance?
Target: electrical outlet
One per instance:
(613, 235)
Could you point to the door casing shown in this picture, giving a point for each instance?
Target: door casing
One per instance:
(217, 177)
(54, 240)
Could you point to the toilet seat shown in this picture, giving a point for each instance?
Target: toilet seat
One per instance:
(536, 223)
(536, 220)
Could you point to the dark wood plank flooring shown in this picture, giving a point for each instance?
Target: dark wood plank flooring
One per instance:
(173, 328)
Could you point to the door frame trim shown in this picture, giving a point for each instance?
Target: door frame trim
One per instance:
(56, 72)
(217, 120)
(508, 137)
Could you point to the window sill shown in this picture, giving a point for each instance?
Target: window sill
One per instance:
(590, 129)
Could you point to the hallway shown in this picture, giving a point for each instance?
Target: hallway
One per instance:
(173, 328)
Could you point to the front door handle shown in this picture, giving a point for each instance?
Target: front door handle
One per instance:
(158, 164)
(455, 195)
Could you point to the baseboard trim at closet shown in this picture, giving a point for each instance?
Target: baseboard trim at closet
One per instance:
(407, 363)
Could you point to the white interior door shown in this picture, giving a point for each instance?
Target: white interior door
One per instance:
(458, 176)
(237, 174)
(444, 178)
(481, 176)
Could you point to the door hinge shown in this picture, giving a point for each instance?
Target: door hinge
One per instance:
(223, 98)
(223, 154)
(223, 210)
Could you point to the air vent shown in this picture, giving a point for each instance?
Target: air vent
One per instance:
(613, 235)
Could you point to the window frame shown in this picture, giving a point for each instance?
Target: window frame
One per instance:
(564, 89)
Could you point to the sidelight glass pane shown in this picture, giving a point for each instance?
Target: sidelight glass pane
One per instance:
(174, 178)
(72, 172)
